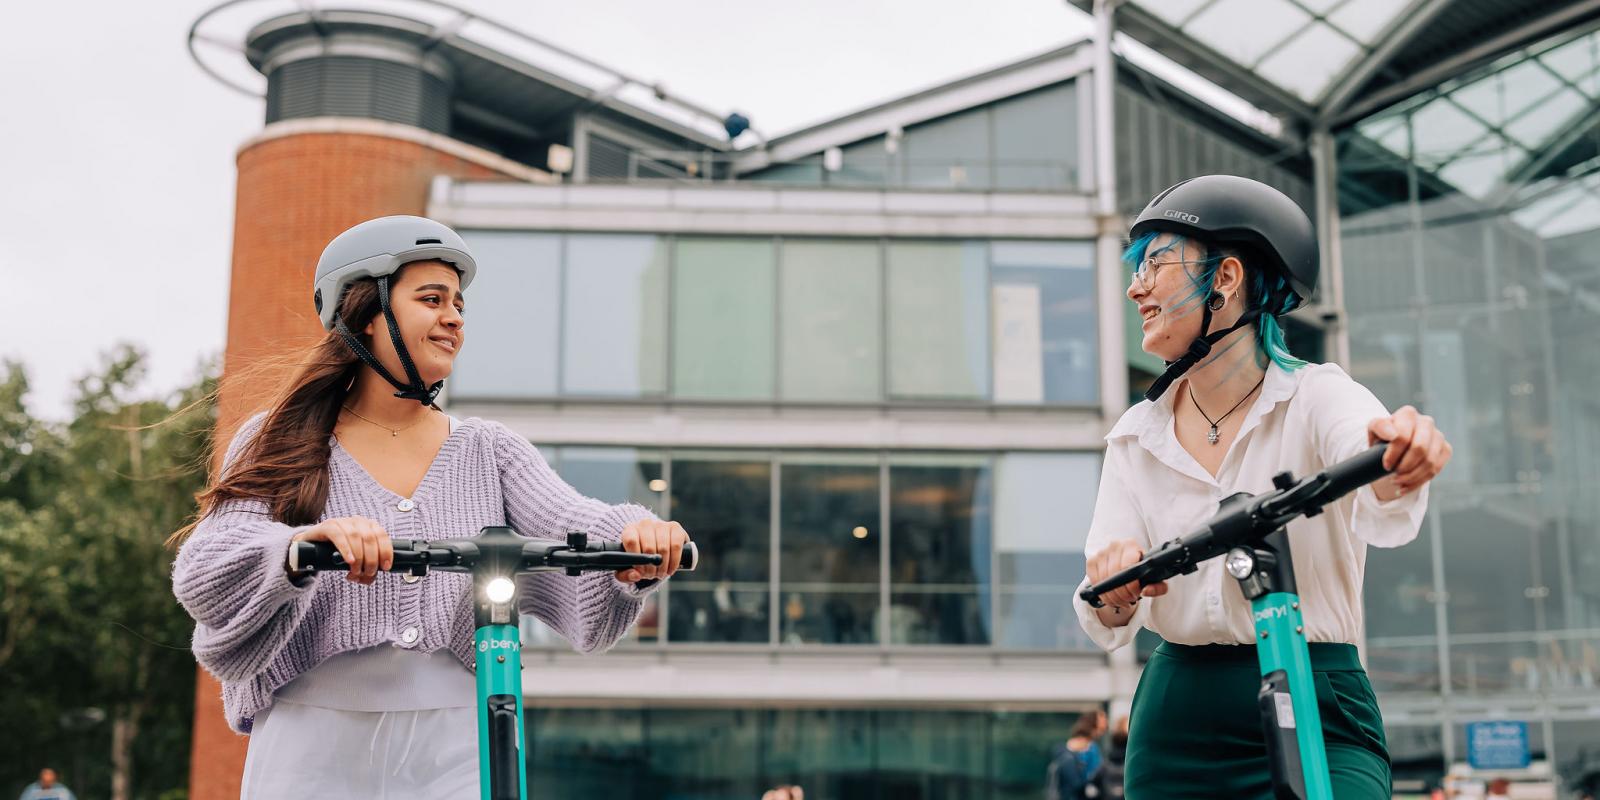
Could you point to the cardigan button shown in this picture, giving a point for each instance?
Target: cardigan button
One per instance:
(406, 505)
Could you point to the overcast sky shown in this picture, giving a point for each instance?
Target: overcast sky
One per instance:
(118, 151)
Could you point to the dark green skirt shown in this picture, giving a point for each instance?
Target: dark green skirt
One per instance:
(1195, 731)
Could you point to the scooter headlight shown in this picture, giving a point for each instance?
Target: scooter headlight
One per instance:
(500, 590)
(1240, 563)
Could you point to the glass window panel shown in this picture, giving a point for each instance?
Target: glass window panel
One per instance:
(1045, 323)
(1043, 504)
(615, 332)
(939, 551)
(938, 321)
(1576, 753)
(1417, 753)
(725, 503)
(1036, 139)
(832, 321)
(1173, 11)
(513, 313)
(1245, 30)
(952, 152)
(830, 549)
(1575, 218)
(829, 753)
(705, 753)
(1488, 565)
(1549, 116)
(1365, 19)
(615, 475)
(801, 171)
(722, 327)
(587, 752)
(612, 475)
(933, 754)
(1526, 84)
(1476, 174)
(1410, 666)
(1305, 64)
(865, 163)
(1441, 128)
(1020, 750)
(1577, 61)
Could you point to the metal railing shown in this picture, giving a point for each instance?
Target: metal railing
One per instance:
(851, 171)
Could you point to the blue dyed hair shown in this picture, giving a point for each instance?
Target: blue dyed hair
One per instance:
(1260, 284)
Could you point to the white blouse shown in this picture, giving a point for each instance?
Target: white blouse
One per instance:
(1152, 490)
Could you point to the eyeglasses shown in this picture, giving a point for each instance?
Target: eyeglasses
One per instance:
(1145, 276)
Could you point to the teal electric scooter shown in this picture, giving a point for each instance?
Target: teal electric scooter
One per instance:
(493, 558)
(1249, 530)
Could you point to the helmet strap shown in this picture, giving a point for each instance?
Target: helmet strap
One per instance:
(416, 389)
(1198, 350)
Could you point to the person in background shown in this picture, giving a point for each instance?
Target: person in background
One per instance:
(46, 788)
(1107, 780)
(1073, 764)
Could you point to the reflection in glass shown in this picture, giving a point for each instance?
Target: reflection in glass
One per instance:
(615, 333)
(939, 544)
(1046, 348)
(513, 310)
(829, 586)
(726, 505)
(1468, 227)
(834, 753)
(828, 752)
(949, 153)
(586, 752)
(1043, 504)
(619, 475)
(1036, 139)
(933, 754)
(706, 753)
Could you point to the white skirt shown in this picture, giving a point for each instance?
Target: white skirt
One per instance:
(305, 751)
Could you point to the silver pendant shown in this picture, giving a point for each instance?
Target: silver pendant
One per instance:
(1212, 436)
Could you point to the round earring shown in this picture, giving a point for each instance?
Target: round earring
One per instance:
(1217, 302)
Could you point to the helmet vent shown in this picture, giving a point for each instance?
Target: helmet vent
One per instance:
(428, 241)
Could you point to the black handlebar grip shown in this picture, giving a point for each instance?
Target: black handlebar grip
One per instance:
(690, 558)
(1091, 594)
(316, 556)
(1356, 472)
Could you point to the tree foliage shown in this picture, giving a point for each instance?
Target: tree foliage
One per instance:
(95, 666)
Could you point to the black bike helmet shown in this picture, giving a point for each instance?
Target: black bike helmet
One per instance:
(1270, 230)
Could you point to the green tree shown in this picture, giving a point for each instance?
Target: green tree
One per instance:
(94, 658)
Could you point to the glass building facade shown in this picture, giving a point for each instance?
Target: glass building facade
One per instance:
(1465, 232)
(1470, 231)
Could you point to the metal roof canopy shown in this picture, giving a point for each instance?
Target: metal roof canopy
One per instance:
(1338, 60)
(492, 61)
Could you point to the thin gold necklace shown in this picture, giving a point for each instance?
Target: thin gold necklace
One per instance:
(393, 432)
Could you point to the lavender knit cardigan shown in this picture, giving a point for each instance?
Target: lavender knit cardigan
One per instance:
(255, 630)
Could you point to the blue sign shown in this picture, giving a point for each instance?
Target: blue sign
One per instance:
(1498, 745)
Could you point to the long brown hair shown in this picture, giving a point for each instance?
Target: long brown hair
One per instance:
(285, 464)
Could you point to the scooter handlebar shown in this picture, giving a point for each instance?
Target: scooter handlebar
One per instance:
(449, 554)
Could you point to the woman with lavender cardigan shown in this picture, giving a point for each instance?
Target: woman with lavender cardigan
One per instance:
(362, 686)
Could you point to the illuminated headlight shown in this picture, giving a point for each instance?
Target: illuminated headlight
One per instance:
(1240, 563)
(500, 590)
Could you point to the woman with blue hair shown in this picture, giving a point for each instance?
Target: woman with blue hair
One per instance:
(1218, 260)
